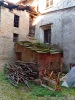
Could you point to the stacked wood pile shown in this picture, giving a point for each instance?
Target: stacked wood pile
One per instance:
(22, 72)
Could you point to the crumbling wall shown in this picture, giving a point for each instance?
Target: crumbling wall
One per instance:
(7, 51)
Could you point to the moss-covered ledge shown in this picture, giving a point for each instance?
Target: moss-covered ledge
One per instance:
(40, 47)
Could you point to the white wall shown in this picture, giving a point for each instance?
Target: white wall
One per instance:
(63, 29)
(57, 4)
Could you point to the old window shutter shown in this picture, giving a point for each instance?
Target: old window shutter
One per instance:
(47, 3)
(51, 2)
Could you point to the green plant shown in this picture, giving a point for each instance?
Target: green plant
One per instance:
(5, 68)
(9, 92)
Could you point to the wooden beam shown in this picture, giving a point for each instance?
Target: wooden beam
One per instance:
(47, 87)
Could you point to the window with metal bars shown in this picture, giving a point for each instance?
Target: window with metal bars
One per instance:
(16, 21)
(49, 3)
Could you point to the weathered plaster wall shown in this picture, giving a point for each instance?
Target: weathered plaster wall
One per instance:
(61, 16)
(68, 35)
(0, 18)
(7, 52)
(57, 4)
(63, 31)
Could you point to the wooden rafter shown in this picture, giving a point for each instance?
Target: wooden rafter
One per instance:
(11, 6)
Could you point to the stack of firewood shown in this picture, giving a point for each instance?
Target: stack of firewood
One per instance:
(22, 72)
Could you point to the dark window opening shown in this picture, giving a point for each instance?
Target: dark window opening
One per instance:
(47, 36)
(16, 21)
(15, 37)
(19, 55)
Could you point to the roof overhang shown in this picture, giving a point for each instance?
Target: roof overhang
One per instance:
(11, 6)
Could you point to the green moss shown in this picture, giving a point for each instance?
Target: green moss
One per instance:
(40, 47)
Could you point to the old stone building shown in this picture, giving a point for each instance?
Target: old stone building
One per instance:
(14, 26)
(56, 25)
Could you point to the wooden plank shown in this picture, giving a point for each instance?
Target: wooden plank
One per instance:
(49, 80)
(47, 87)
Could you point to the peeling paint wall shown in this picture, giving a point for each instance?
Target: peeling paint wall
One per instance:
(7, 52)
(62, 20)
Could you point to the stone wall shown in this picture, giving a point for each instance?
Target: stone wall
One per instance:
(7, 52)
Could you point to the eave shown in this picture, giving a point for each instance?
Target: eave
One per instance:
(12, 6)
